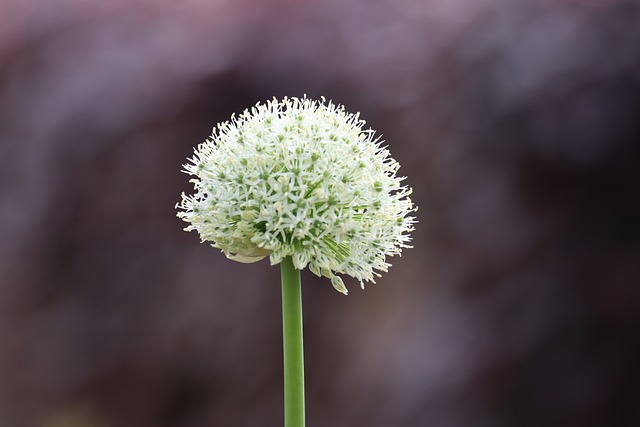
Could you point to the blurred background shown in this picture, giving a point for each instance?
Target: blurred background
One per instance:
(516, 122)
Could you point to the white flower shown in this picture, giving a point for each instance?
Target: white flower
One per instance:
(302, 179)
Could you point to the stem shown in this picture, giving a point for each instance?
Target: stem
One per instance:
(292, 343)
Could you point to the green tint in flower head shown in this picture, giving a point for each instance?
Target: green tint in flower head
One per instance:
(303, 179)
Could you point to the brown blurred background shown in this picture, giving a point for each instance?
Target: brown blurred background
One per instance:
(517, 123)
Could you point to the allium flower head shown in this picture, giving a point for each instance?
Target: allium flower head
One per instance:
(303, 179)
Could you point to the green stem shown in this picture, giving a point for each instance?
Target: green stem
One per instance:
(292, 343)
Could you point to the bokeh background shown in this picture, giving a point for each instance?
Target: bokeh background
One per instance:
(517, 123)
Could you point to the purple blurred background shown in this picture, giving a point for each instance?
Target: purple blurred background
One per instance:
(517, 123)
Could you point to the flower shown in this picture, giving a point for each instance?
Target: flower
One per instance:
(303, 179)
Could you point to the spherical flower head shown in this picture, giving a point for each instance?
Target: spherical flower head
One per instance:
(302, 179)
